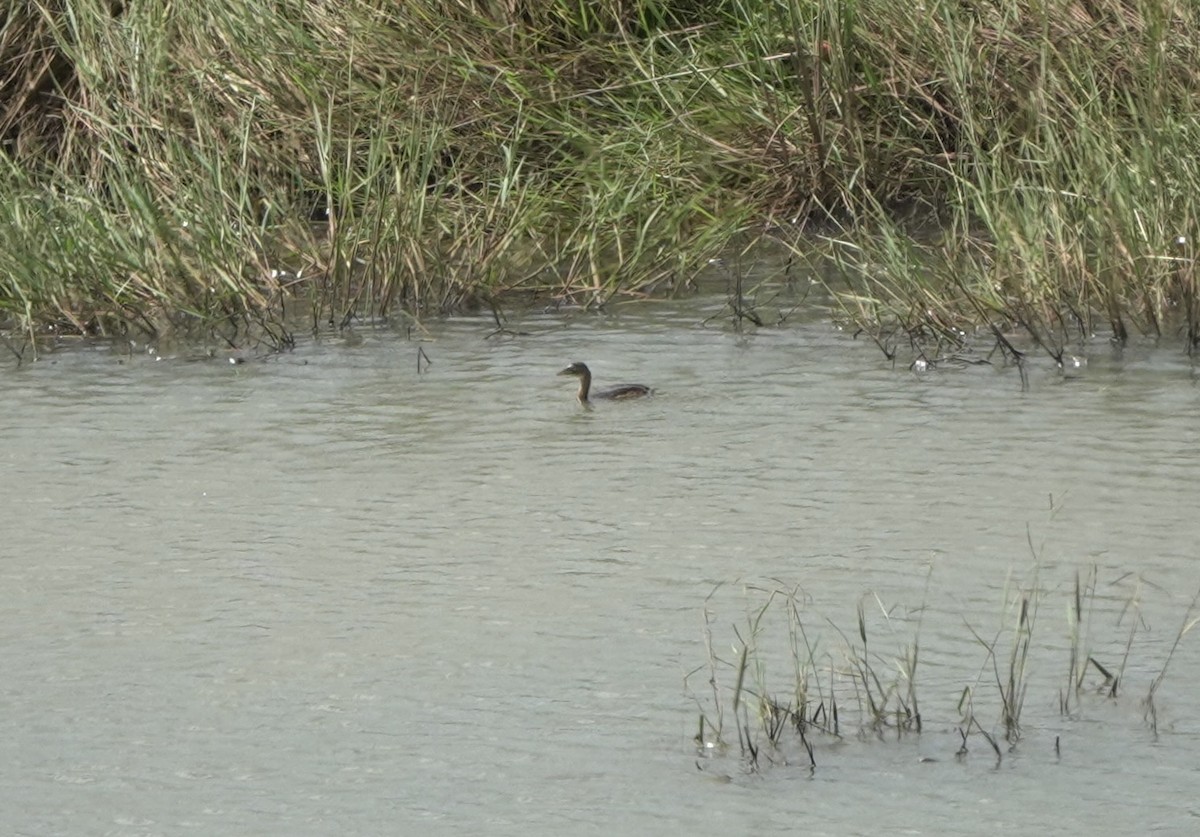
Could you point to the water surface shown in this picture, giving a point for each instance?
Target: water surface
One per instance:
(324, 593)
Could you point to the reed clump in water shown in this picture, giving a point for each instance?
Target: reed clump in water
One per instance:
(783, 700)
(230, 164)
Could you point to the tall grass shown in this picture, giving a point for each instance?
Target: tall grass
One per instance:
(225, 164)
(1067, 180)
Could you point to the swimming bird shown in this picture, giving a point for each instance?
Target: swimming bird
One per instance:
(580, 371)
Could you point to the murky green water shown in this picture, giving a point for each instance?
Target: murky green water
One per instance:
(322, 593)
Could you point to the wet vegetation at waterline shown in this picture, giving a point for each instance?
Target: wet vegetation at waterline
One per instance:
(784, 693)
(968, 169)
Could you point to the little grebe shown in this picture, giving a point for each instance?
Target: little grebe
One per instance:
(580, 371)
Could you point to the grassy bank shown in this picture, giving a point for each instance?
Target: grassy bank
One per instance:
(1004, 165)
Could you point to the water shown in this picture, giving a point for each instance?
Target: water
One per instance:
(322, 593)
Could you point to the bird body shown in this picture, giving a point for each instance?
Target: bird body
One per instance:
(624, 391)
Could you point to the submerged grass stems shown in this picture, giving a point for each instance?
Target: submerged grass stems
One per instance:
(1189, 622)
(842, 688)
(1079, 657)
(883, 692)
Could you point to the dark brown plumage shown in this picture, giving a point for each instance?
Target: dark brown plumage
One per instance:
(580, 371)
